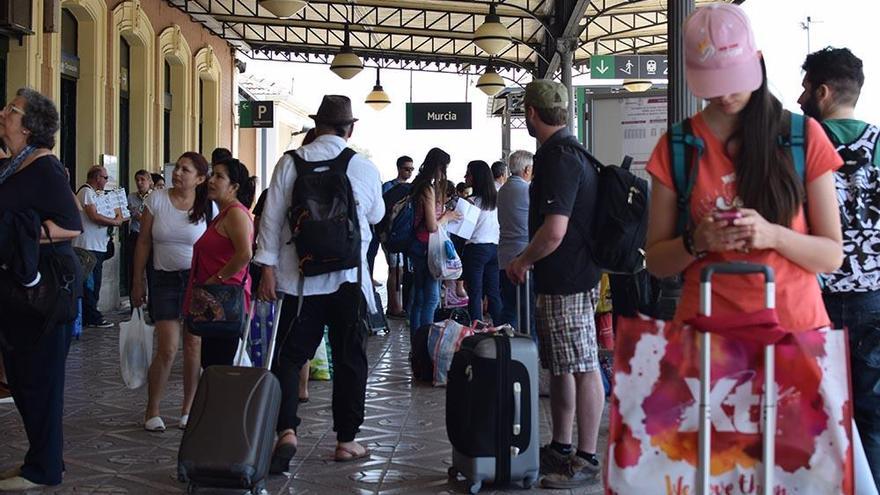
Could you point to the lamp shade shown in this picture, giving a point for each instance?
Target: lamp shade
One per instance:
(637, 85)
(492, 37)
(378, 98)
(490, 82)
(346, 64)
(283, 8)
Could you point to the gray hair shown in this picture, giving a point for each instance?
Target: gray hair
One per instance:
(41, 118)
(519, 161)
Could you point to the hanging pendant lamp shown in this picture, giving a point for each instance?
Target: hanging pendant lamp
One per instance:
(346, 64)
(637, 85)
(492, 37)
(490, 82)
(378, 98)
(283, 8)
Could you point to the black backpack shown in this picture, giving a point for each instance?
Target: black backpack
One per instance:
(620, 221)
(395, 230)
(323, 216)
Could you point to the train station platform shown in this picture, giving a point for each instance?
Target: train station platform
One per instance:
(107, 450)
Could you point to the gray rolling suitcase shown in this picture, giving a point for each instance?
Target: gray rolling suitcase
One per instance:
(768, 409)
(492, 410)
(229, 439)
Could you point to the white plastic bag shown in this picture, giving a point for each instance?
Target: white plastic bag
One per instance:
(443, 262)
(242, 356)
(135, 350)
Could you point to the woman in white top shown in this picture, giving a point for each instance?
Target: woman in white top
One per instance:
(172, 222)
(480, 257)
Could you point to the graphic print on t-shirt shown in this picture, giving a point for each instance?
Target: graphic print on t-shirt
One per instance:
(858, 193)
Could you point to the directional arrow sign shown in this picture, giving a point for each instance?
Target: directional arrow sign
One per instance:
(602, 67)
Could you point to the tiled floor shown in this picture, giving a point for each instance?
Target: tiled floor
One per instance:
(108, 452)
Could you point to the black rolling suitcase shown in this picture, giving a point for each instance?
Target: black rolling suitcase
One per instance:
(230, 436)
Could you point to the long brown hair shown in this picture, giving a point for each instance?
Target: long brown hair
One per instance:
(432, 169)
(766, 178)
(202, 204)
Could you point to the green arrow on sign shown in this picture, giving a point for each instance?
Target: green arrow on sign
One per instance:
(246, 118)
(602, 67)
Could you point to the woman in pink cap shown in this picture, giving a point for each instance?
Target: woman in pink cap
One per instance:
(745, 196)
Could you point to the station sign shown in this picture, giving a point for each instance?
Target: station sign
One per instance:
(256, 114)
(629, 67)
(438, 116)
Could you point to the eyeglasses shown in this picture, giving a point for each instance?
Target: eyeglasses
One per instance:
(12, 108)
(105, 177)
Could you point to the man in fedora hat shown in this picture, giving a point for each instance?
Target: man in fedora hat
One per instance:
(300, 331)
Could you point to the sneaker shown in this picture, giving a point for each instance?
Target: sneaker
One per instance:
(100, 324)
(453, 300)
(565, 472)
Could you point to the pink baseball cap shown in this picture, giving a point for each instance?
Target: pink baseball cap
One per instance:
(720, 53)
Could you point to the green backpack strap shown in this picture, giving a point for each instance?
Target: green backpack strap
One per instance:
(683, 145)
(797, 143)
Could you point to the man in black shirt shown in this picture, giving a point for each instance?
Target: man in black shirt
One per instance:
(562, 202)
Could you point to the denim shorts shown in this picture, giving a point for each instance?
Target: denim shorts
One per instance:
(166, 294)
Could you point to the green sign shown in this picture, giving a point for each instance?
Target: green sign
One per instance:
(628, 66)
(256, 114)
(602, 67)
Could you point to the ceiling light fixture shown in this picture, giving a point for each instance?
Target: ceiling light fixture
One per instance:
(492, 37)
(490, 82)
(378, 98)
(283, 8)
(637, 85)
(346, 64)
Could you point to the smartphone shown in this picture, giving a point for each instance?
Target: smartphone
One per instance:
(727, 216)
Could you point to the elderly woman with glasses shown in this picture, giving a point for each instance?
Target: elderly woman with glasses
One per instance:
(32, 178)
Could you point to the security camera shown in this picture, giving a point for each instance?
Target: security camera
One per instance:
(241, 65)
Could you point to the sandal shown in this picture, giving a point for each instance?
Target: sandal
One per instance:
(282, 455)
(344, 454)
(154, 425)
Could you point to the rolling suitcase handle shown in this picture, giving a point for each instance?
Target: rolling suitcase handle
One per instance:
(276, 320)
(528, 322)
(768, 416)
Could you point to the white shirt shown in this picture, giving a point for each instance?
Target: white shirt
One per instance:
(274, 247)
(173, 233)
(487, 230)
(94, 236)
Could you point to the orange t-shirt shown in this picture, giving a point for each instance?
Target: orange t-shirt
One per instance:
(798, 297)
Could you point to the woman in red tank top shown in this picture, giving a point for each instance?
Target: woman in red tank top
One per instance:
(222, 254)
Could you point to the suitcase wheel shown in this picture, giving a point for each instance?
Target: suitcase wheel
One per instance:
(452, 473)
(475, 487)
(529, 482)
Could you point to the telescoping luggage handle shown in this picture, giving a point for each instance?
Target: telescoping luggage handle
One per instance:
(768, 411)
(271, 351)
(524, 328)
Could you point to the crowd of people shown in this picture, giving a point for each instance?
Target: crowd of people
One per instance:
(535, 216)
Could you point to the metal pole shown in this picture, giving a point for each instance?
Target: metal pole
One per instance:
(566, 54)
(505, 129)
(682, 103)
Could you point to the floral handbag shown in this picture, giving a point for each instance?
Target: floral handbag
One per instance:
(217, 310)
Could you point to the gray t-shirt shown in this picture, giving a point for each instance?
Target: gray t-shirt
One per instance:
(513, 219)
(135, 206)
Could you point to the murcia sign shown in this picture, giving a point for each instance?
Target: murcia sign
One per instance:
(438, 115)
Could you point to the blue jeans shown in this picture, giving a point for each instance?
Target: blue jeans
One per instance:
(508, 299)
(480, 263)
(425, 295)
(860, 313)
(92, 290)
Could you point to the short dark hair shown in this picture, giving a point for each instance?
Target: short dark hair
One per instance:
(219, 155)
(499, 168)
(240, 175)
(157, 177)
(402, 160)
(552, 116)
(142, 172)
(837, 68)
(40, 118)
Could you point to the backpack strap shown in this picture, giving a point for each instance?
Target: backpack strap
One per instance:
(683, 146)
(797, 143)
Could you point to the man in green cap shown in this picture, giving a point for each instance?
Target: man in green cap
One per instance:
(561, 206)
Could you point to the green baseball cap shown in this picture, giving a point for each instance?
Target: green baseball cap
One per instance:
(544, 93)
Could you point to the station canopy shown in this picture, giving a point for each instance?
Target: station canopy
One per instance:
(437, 35)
